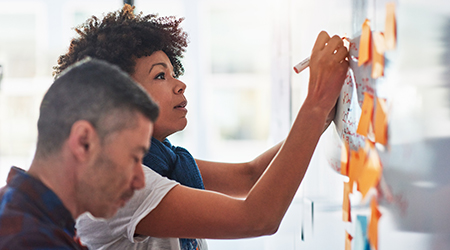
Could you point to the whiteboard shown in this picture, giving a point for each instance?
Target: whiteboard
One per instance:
(415, 190)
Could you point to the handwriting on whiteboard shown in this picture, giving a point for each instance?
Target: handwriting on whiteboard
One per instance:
(348, 109)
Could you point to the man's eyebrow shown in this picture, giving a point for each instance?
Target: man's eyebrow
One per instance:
(156, 64)
(145, 149)
(142, 149)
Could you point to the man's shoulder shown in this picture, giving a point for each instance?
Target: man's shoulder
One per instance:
(19, 230)
(22, 227)
(17, 213)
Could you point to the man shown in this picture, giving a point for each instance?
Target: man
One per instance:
(94, 127)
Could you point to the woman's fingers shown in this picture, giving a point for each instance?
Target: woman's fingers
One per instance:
(321, 41)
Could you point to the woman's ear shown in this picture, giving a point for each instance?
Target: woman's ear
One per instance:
(83, 140)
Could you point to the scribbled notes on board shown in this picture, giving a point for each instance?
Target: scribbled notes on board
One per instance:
(347, 114)
(361, 123)
(362, 74)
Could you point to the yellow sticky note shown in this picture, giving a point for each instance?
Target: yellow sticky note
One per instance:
(356, 165)
(371, 173)
(346, 206)
(390, 31)
(380, 121)
(378, 54)
(344, 158)
(348, 241)
(365, 43)
(366, 115)
(373, 224)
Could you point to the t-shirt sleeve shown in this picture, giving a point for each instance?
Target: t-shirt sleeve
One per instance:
(147, 199)
(123, 224)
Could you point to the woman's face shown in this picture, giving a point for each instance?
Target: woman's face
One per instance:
(155, 74)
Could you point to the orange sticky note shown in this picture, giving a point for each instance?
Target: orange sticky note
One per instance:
(368, 147)
(348, 241)
(344, 158)
(373, 224)
(378, 54)
(356, 165)
(346, 206)
(371, 174)
(380, 121)
(365, 44)
(366, 115)
(390, 31)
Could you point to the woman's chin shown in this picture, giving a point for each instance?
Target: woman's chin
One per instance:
(162, 136)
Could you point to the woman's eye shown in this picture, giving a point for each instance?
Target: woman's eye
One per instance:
(160, 76)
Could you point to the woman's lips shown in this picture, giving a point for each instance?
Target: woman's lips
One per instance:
(181, 106)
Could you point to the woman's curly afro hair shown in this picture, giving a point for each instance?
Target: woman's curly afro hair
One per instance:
(121, 37)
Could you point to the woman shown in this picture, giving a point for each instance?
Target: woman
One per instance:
(149, 49)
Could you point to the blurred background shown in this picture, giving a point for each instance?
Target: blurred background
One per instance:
(243, 96)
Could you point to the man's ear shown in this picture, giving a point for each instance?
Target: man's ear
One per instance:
(83, 140)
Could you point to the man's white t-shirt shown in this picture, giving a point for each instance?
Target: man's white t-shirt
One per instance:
(118, 231)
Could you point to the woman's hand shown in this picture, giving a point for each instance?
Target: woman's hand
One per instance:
(328, 68)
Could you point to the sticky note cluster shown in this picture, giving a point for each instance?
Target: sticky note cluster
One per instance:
(373, 122)
(373, 44)
(363, 165)
(364, 169)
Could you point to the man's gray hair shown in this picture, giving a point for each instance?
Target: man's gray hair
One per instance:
(95, 91)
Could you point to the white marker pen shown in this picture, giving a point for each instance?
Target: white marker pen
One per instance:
(301, 66)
